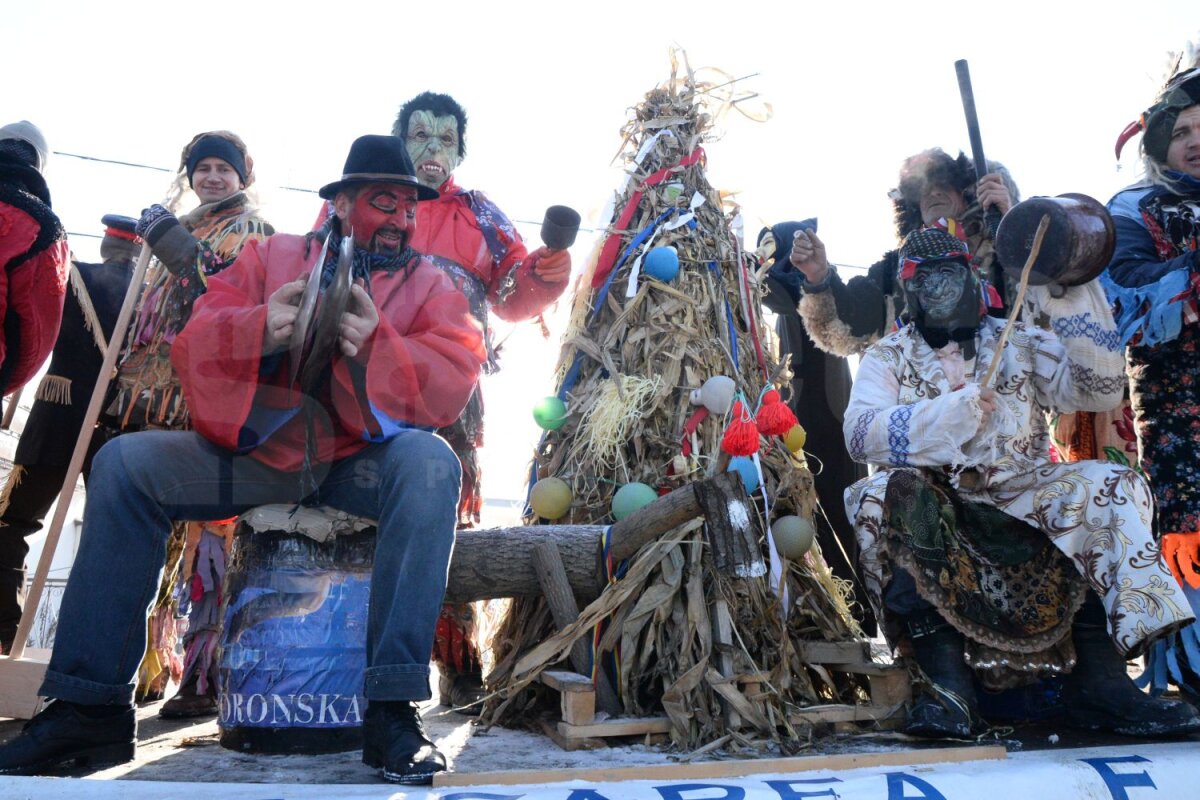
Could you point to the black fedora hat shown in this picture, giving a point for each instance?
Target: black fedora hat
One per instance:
(378, 159)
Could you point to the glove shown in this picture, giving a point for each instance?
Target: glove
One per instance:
(168, 239)
(1181, 551)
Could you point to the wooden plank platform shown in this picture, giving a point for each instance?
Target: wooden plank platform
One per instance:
(725, 769)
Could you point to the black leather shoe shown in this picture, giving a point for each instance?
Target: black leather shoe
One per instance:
(394, 741)
(65, 733)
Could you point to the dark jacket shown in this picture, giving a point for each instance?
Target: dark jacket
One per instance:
(57, 415)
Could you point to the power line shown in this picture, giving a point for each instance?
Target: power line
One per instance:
(312, 191)
(111, 161)
(158, 169)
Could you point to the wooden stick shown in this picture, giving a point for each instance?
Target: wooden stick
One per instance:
(1016, 309)
(552, 576)
(115, 343)
(11, 410)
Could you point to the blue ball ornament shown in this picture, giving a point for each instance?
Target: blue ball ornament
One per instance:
(662, 263)
(744, 466)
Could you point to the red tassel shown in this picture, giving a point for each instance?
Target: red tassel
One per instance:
(774, 417)
(741, 437)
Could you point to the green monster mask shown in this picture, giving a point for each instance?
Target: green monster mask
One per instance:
(432, 143)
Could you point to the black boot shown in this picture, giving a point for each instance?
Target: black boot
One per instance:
(948, 708)
(64, 733)
(394, 741)
(463, 692)
(1100, 695)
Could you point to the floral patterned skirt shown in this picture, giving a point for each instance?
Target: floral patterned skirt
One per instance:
(1165, 392)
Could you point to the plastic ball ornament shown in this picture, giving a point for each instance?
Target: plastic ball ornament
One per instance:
(793, 536)
(550, 413)
(662, 263)
(795, 438)
(550, 498)
(744, 466)
(630, 497)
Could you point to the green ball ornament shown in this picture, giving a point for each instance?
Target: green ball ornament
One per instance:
(630, 497)
(550, 413)
(550, 498)
(793, 536)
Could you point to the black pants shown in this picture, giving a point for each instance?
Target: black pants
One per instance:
(27, 507)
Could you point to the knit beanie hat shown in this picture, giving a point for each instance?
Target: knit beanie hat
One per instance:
(214, 146)
(24, 142)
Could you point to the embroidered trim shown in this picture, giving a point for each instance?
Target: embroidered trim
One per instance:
(1082, 326)
(859, 437)
(1094, 383)
(898, 441)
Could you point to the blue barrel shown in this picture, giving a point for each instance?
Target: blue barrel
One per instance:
(293, 643)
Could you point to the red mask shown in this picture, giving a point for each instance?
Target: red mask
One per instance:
(382, 217)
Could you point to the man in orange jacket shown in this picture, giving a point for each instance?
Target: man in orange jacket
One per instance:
(407, 357)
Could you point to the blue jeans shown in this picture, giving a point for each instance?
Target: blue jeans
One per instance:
(142, 482)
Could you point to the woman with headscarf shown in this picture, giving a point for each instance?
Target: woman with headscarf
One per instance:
(218, 169)
(1154, 283)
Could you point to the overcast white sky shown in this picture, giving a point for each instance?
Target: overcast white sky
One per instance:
(855, 88)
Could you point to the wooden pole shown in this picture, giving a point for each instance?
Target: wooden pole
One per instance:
(115, 343)
(10, 410)
(552, 576)
(1038, 236)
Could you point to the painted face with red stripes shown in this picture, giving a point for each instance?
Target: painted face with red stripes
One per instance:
(381, 215)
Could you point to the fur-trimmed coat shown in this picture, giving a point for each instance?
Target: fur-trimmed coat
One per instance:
(852, 315)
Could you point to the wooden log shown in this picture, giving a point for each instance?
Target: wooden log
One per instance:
(552, 576)
(498, 563)
(671, 511)
(729, 534)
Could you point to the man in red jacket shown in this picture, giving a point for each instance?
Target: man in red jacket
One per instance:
(473, 242)
(408, 356)
(33, 257)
